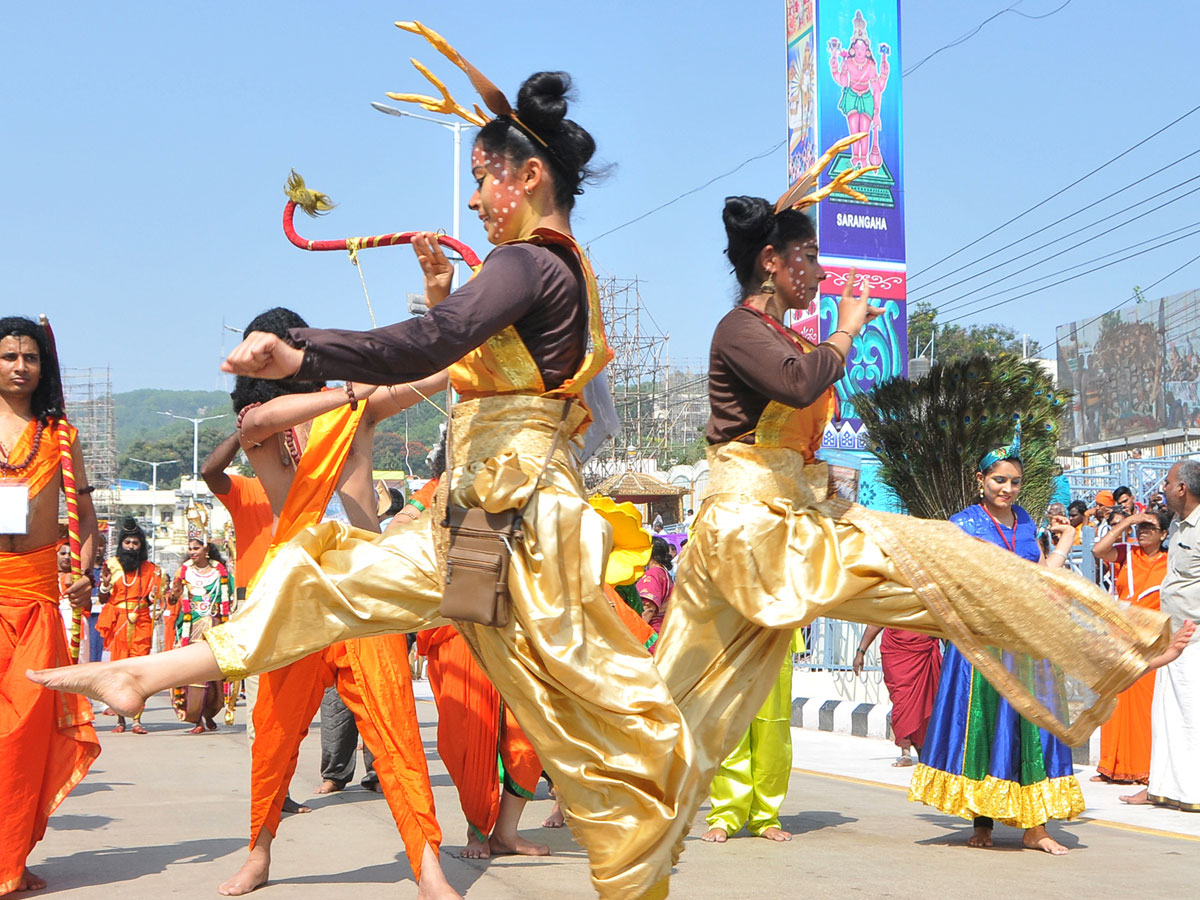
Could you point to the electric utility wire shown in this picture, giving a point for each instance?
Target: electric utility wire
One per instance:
(1088, 262)
(962, 298)
(695, 190)
(1071, 278)
(1059, 221)
(1059, 192)
(974, 31)
(1134, 296)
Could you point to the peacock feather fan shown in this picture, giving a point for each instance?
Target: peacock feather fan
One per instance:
(929, 434)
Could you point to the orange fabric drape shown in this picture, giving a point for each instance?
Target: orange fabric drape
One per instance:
(373, 680)
(120, 638)
(474, 726)
(47, 743)
(371, 674)
(640, 627)
(1125, 737)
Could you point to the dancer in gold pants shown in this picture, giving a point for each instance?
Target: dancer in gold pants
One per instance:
(771, 549)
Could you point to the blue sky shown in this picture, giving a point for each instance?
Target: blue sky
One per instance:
(146, 145)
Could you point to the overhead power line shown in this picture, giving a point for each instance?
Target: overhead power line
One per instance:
(963, 298)
(974, 31)
(688, 193)
(1059, 192)
(1131, 298)
(1059, 221)
(1073, 277)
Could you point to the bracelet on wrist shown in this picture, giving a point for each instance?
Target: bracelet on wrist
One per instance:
(835, 348)
(842, 331)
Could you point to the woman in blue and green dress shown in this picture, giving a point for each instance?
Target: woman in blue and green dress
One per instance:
(981, 760)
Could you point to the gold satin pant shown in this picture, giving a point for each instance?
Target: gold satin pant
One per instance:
(586, 693)
(770, 552)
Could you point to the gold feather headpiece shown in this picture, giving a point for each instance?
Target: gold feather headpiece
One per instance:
(493, 98)
(801, 194)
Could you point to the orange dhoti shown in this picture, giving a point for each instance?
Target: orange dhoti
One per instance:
(475, 728)
(47, 743)
(373, 679)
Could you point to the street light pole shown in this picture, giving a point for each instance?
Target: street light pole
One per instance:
(154, 490)
(195, 436)
(458, 128)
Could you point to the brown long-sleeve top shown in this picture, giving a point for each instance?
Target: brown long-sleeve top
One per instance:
(538, 289)
(750, 365)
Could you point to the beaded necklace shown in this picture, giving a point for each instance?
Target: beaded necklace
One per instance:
(9, 468)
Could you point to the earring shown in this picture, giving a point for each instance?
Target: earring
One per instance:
(528, 189)
(981, 492)
(768, 286)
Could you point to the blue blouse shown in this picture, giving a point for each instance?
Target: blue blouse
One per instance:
(975, 521)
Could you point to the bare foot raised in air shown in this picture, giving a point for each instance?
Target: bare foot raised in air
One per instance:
(516, 846)
(980, 837)
(775, 834)
(1037, 838)
(716, 835)
(327, 787)
(253, 874)
(100, 681)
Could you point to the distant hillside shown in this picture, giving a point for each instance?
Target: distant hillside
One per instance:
(143, 433)
(138, 418)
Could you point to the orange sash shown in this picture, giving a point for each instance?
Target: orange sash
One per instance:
(45, 466)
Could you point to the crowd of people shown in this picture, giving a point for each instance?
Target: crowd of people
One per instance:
(633, 743)
(988, 776)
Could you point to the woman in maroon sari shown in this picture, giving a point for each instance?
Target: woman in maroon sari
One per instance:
(912, 664)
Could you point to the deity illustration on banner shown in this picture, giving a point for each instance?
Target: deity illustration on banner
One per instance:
(863, 81)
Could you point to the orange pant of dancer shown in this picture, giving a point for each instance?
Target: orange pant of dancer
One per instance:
(474, 725)
(47, 742)
(373, 680)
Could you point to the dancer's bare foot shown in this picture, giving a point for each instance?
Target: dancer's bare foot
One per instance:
(980, 837)
(327, 787)
(1037, 838)
(199, 729)
(516, 846)
(119, 728)
(138, 728)
(775, 834)
(716, 835)
(253, 874)
(291, 806)
(210, 724)
(555, 819)
(1099, 778)
(100, 681)
(433, 884)
(1141, 798)
(28, 882)
(476, 847)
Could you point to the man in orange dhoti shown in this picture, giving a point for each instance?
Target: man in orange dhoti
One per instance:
(303, 443)
(47, 742)
(129, 590)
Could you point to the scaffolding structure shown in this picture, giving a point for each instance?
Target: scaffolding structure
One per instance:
(661, 407)
(89, 407)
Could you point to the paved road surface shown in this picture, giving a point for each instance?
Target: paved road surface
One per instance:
(165, 815)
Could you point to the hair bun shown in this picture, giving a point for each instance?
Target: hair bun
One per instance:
(747, 218)
(542, 101)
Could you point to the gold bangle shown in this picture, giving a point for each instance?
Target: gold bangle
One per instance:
(835, 348)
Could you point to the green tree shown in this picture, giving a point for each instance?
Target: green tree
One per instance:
(177, 446)
(952, 343)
